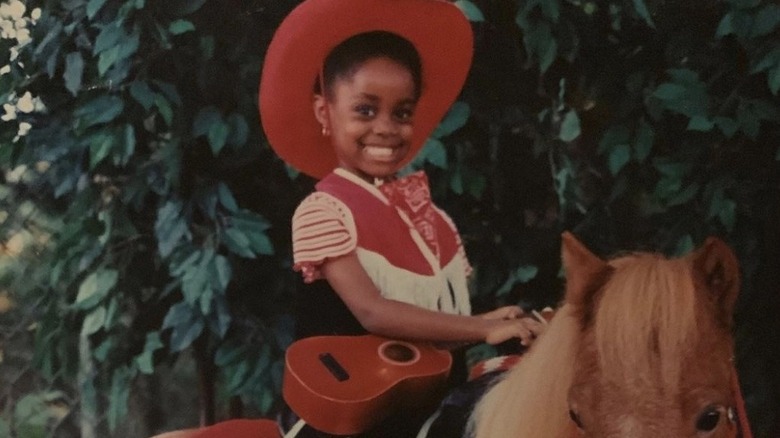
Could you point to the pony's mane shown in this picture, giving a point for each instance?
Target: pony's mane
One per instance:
(644, 320)
(520, 404)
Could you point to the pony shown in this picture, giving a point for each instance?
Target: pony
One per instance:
(641, 347)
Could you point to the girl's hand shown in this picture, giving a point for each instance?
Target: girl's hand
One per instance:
(527, 329)
(506, 312)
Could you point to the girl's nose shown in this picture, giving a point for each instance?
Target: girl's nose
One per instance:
(385, 125)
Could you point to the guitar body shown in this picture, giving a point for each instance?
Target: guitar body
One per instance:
(345, 385)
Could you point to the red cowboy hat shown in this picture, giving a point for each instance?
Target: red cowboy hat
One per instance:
(438, 30)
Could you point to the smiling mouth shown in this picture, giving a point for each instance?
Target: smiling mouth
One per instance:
(380, 152)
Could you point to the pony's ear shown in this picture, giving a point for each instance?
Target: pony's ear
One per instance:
(716, 268)
(584, 270)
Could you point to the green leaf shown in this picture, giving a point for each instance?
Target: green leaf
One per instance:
(619, 156)
(127, 147)
(643, 144)
(218, 135)
(185, 7)
(456, 118)
(773, 79)
(226, 198)
(766, 20)
(74, 69)
(683, 196)
(142, 94)
(228, 354)
(684, 246)
(93, 321)
(93, 6)
(145, 360)
(170, 227)
(570, 126)
(699, 123)
(641, 9)
(108, 37)
(96, 287)
(522, 274)
(220, 319)
(118, 396)
(102, 109)
(614, 136)
(31, 416)
(471, 10)
(770, 60)
(435, 153)
(541, 44)
(100, 145)
(180, 26)
(196, 280)
(239, 129)
(726, 125)
(669, 91)
(184, 335)
(107, 58)
(222, 271)
(166, 112)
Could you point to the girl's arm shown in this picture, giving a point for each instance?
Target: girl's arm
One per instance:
(400, 320)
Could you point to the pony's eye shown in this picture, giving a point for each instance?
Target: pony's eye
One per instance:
(575, 418)
(708, 420)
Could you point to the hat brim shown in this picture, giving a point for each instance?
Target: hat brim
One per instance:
(438, 29)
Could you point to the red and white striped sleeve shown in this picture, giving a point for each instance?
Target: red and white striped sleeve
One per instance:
(322, 228)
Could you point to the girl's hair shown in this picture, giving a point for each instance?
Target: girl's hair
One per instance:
(347, 57)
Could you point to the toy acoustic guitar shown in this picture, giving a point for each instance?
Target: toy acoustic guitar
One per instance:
(345, 385)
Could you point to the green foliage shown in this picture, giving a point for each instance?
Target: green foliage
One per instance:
(161, 217)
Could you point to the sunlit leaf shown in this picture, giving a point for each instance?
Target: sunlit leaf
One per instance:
(95, 287)
(570, 126)
(93, 321)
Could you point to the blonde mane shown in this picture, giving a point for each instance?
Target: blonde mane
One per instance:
(519, 405)
(644, 318)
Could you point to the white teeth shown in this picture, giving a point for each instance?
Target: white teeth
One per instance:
(378, 152)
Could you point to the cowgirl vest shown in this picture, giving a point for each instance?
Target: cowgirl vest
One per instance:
(419, 262)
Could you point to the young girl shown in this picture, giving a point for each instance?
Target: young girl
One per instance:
(350, 91)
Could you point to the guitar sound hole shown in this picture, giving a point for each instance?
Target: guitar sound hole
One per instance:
(397, 352)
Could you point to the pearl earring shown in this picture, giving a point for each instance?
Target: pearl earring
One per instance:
(325, 131)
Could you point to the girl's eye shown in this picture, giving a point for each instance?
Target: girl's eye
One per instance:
(404, 115)
(365, 110)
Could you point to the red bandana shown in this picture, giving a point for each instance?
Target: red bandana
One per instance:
(412, 196)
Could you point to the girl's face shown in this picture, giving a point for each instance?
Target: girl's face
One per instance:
(370, 117)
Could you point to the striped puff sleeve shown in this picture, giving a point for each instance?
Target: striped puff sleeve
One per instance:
(322, 228)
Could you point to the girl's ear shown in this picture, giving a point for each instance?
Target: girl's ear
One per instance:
(320, 106)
